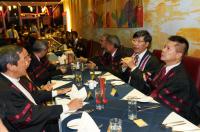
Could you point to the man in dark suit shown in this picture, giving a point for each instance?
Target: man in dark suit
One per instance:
(113, 47)
(79, 45)
(23, 112)
(142, 60)
(101, 58)
(40, 70)
(172, 86)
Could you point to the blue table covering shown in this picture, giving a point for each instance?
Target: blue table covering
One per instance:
(116, 108)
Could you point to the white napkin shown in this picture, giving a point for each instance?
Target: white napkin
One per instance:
(59, 83)
(116, 83)
(75, 93)
(139, 96)
(69, 76)
(62, 59)
(109, 76)
(87, 124)
(91, 83)
(173, 117)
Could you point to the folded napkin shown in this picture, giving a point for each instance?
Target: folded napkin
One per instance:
(91, 84)
(116, 83)
(59, 83)
(87, 124)
(69, 76)
(179, 123)
(75, 93)
(139, 96)
(109, 76)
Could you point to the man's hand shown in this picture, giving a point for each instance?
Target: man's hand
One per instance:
(91, 65)
(63, 69)
(63, 91)
(48, 87)
(75, 104)
(129, 61)
(82, 59)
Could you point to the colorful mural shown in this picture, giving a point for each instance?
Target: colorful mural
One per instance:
(161, 17)
(116, 13)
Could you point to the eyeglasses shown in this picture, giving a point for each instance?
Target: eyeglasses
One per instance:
(137, 40)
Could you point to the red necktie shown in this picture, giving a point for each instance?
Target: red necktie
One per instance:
(154, 93)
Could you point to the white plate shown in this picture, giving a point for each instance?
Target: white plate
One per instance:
(74, 124)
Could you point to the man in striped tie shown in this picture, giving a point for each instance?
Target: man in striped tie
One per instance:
(171, 85)
(141, 62)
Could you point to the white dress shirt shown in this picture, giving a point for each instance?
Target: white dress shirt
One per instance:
(20, 87)
(168, 68)
(28, 95)
(140, 56)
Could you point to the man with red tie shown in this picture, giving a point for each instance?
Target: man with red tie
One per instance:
(23, 110)
(172, 86)
(142, 61)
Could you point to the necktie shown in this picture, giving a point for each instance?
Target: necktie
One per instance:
(22, 88)
(161, 75)
(136, 59)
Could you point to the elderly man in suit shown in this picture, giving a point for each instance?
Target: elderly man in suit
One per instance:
(24, 112)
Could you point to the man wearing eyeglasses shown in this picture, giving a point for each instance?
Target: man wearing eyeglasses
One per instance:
(141, 62)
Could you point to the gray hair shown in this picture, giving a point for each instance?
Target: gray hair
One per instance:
(9, 54)
(113, 39)
(40, 45)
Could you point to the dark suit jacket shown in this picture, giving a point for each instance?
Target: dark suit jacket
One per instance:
(102, 59)
(148, 63)
(21, 114)
(114, 65)
(41, 71)
(80, 48)
(175, 90)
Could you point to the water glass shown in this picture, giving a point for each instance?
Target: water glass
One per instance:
(92, 75)
(132, 109)
(115, 125)
(99, 99)
(78, 78)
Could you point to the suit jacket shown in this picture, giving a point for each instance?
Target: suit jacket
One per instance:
(102, 59)
(21, 114)
(176, 91)
(41, 71)
(80, 48)
(148, 63)
(114, 65)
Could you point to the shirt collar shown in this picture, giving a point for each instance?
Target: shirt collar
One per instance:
(37, 57)
(168, 68)
(10, 78)
(113, 54)
(142, 54)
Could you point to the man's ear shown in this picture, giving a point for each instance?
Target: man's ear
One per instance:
(10, 67)
(179, 55)
(147, 44)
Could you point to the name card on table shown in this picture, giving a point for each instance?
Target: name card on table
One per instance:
(140, 123)
(114, 92)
